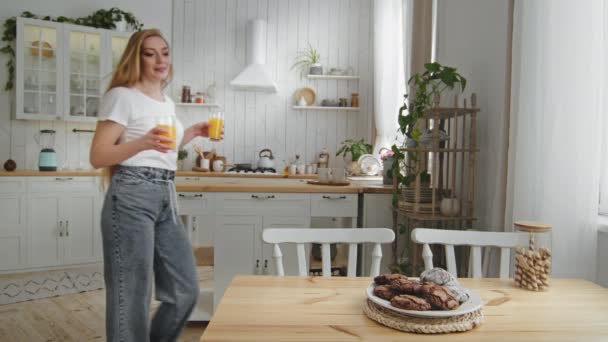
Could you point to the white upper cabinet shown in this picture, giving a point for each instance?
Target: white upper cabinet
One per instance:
(62, 70)
(39, 68)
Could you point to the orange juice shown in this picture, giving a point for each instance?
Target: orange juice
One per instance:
(216, 124)
(171, 134)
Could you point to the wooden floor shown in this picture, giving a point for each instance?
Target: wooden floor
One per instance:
(75, 317)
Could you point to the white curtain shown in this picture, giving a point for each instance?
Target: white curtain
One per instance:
(389, 74)
(559, 81)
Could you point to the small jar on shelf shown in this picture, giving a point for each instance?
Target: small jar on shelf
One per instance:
(199, 98)
(354, 100)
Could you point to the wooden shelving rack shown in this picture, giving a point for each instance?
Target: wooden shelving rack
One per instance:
(451, 165)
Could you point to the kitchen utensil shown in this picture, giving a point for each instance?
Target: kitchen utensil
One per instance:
(204, 164)
(474, 303)
(47, 159)
(324, 174)
(308, 94)
(338, 175)
(266, 160)
(369, 165)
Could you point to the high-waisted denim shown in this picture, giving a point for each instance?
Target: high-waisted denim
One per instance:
(143, 241)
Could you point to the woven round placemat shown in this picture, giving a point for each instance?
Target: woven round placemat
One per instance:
(420, 325)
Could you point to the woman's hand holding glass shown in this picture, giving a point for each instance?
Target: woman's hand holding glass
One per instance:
(157, 139)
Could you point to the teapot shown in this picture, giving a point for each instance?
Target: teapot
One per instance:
(266, 160)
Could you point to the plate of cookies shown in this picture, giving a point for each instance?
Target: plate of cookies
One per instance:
(436, 294)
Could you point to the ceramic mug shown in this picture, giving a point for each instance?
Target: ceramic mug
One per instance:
(324, 174)
(338, 174)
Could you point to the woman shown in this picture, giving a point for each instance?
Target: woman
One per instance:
(142, 236)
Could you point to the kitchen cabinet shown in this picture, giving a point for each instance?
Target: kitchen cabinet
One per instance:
(62, 69)
(377, 213)
(240, 220)
(63, 221)
(49, 221)
(197, 213)
(13, 228)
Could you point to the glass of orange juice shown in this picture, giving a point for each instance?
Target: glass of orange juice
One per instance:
(168, 123)
(216, 126)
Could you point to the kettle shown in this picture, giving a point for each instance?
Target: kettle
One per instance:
(266, 160)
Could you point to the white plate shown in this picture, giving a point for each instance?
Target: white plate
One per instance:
(369, 165)
(474, 303)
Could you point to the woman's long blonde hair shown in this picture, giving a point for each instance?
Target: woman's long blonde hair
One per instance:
(128, 73)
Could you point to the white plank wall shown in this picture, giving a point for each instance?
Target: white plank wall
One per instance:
(209, 40)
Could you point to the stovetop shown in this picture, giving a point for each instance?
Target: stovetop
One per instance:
(249, 169)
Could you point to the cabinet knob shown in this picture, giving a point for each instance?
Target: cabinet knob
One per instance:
(265, 266)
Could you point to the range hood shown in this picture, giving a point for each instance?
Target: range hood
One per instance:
(255, 76)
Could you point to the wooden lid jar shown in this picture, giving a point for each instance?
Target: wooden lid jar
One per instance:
(533, 262)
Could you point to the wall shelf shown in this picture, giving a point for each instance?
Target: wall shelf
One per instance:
(333, 77)
(349, 109)
(208, 105)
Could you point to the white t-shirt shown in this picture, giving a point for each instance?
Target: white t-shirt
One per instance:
(138, 113)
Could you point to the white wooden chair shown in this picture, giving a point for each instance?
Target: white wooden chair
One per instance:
(325, 237)
(476, 239)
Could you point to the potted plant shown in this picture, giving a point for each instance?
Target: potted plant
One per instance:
(181, 157)
(308, 60)
(432, 82)
(354, 148)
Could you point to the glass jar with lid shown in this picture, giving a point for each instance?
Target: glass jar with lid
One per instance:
(533, 262)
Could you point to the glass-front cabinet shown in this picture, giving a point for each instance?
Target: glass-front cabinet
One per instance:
(63, 69)
(84, 88)
(39, 63)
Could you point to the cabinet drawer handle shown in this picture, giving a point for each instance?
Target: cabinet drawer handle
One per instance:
(64, 178)
(334, 198)
(60, 228)
(258, 197)
(190, 196)
(67, 228)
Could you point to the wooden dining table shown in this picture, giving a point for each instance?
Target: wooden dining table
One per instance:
(271, 308)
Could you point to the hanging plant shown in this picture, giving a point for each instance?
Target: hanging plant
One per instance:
(106, 19)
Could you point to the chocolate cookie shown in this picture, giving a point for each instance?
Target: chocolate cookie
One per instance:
(384, 279)
(384, 292)
(405, 286)
(408, 302)
(439, 296)
(442, 277)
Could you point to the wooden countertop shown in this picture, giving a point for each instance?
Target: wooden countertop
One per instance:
(267, 308)
(228, 182)
(277, 186)
(61, 173)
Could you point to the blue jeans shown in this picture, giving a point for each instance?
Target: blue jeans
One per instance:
(142, 241)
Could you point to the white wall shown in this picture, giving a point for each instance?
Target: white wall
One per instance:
(209, 44)
(71, 147)
(472, 36)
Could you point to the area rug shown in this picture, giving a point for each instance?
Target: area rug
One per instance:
(16, 288)
(29, 286)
